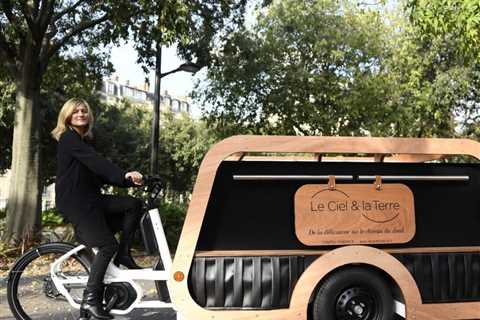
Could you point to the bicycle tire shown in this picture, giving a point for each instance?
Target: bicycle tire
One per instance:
(15, 274)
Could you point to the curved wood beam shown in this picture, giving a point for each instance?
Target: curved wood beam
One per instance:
(179, 291)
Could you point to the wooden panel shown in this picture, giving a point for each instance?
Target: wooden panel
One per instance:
(413, 157)
(354, 214)
(179, 291)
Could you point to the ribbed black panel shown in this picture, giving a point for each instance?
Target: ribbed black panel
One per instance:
(268, 282)
(245, 282)
(445, 277)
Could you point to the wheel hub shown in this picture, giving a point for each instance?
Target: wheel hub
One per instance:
(358, 310)
(356, 303)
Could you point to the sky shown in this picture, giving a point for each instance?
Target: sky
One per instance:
(124, 60)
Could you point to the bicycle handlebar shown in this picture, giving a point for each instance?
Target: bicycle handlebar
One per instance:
(149, 180)
(154, 187)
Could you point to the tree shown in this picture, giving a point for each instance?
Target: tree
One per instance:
(194, 25)
(458, 18)
(307, 67)
(183, 144)
(122, 134)
(318, 67)
(434, 77)
(32, 34)
(7, 106)
(451, 30)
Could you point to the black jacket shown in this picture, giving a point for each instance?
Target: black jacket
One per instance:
(81, 172)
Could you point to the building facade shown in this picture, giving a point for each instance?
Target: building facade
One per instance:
(113, 91)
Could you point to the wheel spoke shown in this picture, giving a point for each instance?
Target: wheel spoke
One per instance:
(33, 294)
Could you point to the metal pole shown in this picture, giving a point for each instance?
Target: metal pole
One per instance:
(156, 112)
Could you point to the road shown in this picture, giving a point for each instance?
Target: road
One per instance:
(45, 308)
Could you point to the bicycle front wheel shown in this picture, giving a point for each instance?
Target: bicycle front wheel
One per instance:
(31, 292)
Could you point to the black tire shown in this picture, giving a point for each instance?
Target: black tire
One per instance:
(354, 293)
(30, 292)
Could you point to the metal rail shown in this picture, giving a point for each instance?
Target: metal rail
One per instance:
(289, 177)
(415, 178)
(347, 178)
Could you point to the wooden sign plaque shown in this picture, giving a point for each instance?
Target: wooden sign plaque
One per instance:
(354, 214)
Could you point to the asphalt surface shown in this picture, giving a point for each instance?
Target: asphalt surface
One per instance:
(45, 308)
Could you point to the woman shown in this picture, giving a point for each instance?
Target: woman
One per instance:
(96, 217)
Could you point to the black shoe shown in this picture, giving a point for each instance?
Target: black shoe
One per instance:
(126, 261)
(92, 306)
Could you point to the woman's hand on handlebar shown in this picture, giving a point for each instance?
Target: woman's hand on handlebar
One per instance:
(135, 176)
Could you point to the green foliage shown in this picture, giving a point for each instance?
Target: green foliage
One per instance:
(173, 216)
(194, 25)
(52, 217)
(53, 49)
(67, 77)
(122, 133)
(305, 68)
(433, 84)
(7, 106)
(33, 34)
(334, 68)
(183, 144)
(444, 75)
(458, 19)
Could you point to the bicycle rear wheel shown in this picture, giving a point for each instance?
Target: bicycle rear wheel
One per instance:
(31, 292)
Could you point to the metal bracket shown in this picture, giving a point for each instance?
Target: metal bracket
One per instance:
(378, 183)
(331, 183)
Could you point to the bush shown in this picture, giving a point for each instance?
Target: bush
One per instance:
(172, 215)
(52, 217)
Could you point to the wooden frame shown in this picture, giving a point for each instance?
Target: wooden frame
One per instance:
(409, 149)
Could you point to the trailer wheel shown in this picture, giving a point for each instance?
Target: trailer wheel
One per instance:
(354, 293)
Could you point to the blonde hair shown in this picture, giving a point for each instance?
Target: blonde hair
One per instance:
(65, 116)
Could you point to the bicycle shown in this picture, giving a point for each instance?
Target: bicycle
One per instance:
(66, 267)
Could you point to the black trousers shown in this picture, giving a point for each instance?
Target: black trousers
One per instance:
(110, 215)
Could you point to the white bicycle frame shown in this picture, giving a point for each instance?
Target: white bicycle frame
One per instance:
(115, 274)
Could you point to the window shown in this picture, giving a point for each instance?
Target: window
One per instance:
(111, 88)
(176, 106)
(128, 92)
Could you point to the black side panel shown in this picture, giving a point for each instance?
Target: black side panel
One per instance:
(259, 215)
(445, 277)
(245, 282)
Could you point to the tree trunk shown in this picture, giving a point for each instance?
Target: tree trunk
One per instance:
(24, 199)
